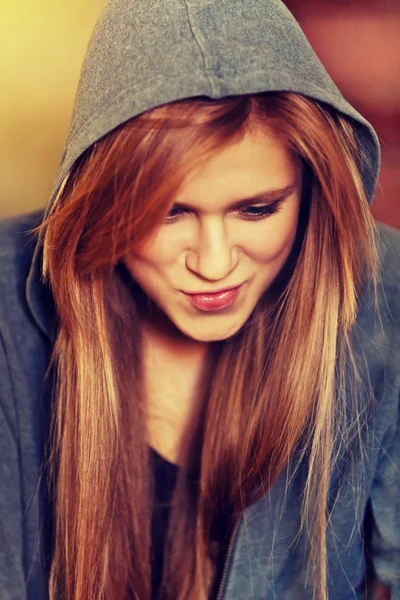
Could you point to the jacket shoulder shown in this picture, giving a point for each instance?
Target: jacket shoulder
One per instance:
(14, 233)
(389, 274)
(389, 249)
(17, 246)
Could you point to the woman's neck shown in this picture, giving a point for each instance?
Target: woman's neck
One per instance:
(176, 377)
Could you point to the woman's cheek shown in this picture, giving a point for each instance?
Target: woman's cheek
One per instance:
(272, 244)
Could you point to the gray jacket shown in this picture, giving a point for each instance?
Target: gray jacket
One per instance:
(143, 54)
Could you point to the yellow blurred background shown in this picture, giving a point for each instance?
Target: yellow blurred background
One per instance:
(43, 43)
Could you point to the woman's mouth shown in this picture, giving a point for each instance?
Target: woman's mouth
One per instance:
(214, 301)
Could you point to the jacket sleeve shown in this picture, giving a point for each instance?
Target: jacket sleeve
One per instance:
(385, 503)
(12, 580)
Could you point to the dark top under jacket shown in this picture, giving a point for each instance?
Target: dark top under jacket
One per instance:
(165, 476)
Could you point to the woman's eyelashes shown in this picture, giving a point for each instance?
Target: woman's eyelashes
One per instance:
(261, 212)
(250, 212)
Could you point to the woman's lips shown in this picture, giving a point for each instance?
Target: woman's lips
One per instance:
(214, 301)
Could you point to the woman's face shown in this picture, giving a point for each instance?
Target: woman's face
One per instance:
(210, 242)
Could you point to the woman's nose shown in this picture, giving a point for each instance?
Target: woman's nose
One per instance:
(213, 256)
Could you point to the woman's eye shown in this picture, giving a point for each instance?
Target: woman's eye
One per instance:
(175, 213)
(261, 212)
(251, 213)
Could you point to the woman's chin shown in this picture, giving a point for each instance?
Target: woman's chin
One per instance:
(213, 334)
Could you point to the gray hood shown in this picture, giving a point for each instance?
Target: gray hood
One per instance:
(146, 53)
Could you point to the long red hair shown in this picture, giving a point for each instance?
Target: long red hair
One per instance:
(277, 386)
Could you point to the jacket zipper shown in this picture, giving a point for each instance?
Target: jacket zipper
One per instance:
(227, 560)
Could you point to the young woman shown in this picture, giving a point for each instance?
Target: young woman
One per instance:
(200, 334)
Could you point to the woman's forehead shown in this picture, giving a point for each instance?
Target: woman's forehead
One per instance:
(253, 166)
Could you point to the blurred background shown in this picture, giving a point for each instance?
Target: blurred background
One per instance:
(43, 43)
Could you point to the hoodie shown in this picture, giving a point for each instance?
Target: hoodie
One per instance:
(143, 54)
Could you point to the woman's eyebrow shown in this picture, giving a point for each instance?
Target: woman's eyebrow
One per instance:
(262, 197)
(268, 195)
